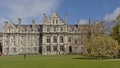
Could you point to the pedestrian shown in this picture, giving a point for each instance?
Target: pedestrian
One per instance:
(24, 56)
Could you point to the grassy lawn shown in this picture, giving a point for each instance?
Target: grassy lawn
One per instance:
(63, 61)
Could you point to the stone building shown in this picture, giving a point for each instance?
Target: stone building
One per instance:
(53, 37)
(1, 43)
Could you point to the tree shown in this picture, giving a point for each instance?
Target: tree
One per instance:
(116, 30)
(116, 33)
(102, 46)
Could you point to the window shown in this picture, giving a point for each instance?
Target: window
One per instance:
(72, 29)
(10, 29)
(54, 29)
(56, 21)
(82, 48)
(48, 48)
(7, 50)
(53, 21)
(54, 39)
(7, 37)
(61, 39)
(61, 48)
(22, 37)
(13, 37)
(48, 39)
(28, 50)
(14, 50)
(7, 43)
(34, 43)
(54, 48)
(22, 50)
(13, 43)
(22, 43)
(35, 49)
(69, 39)
(28, 37)
(23, 30)
(34, 37)
(61, 29)
(48, 28)
(75, 41)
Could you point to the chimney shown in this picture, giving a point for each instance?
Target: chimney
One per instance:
(33, 23)
(6, 23)
(78, 22)
(90, 21)
(89, 25)
(66, 18)
(96, 22)
(19, 21)
(44, 18)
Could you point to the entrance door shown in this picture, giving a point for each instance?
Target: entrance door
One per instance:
(0, 48)
(70, 49)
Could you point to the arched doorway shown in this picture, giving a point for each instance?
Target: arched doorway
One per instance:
(70, 49)
(0, 48)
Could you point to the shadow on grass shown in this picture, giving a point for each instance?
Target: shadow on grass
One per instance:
(86, 58)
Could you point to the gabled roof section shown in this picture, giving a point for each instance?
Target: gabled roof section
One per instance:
(54, 19)
(55, 15)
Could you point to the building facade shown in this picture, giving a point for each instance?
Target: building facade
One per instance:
(1, 38)
(53, 37)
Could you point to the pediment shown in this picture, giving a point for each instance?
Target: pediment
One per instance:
(10, 25)
(54, 20)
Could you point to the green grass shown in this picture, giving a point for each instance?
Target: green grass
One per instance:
(63, 61)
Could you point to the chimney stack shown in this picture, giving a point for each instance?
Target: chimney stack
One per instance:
(66, 18)
(44, 18)
(90, 21)
(6, 23)
(19, 20)
(33, 23)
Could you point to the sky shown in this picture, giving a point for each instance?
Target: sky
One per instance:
(77, 10)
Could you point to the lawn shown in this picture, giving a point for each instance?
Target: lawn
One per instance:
(63, 61)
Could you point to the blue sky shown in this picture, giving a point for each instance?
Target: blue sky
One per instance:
(85, 9)
(80, 10)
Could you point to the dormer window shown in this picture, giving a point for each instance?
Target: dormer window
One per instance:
(56, 21)
(53, 21)
(72, 29)
(61, 29)
(22, 30)
(48, 29)
(29, 30)
(10, 29)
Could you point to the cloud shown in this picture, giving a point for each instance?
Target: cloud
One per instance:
(112, 16)
(83, 21)
(27, 9)
(109, 18)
